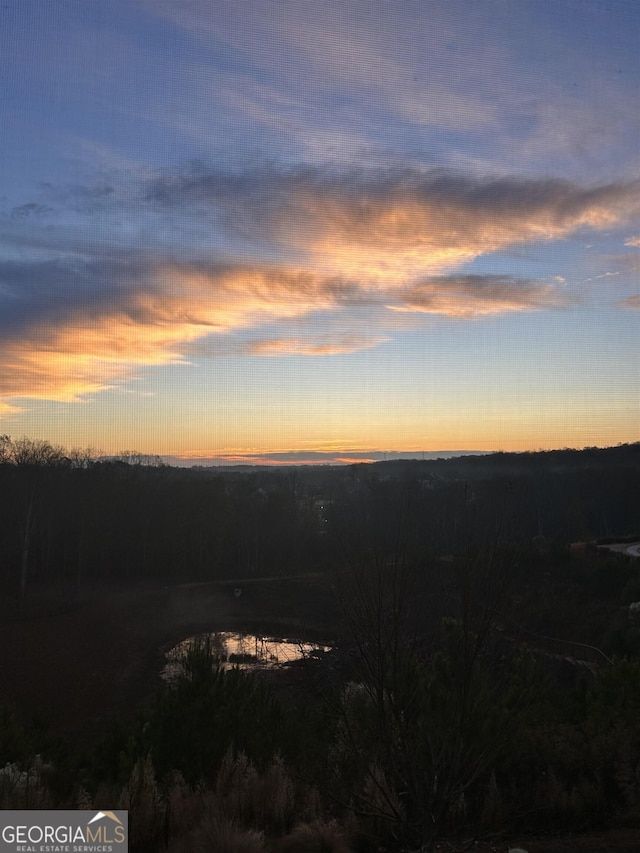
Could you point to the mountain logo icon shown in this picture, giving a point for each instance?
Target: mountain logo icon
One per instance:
(101, 815)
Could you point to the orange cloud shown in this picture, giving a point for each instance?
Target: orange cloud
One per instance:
(149, 327)
(338, 345)
(388, 227)
(358, 241)
(172, 307)
(66, 362)
(407, 231)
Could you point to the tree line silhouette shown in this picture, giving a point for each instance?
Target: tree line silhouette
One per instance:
(75, 516)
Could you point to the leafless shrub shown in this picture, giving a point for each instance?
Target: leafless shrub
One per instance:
(25, 789)
(184, 806)
(142, 799)
(270, 799)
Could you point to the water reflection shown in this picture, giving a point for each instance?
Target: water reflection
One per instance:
(246, 651)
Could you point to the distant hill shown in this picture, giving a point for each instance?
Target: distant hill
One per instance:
(481, 465)
(474, 463)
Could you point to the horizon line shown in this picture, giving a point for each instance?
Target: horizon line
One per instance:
(337, 458)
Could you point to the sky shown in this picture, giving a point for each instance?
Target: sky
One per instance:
(281, 230)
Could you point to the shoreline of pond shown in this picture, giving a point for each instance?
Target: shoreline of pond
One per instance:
(74, 665)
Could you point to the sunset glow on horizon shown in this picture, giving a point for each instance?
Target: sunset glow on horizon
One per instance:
(268, 233)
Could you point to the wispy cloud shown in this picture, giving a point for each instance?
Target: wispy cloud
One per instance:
(8, 409)
(632, 302)
(341, 46)
(94, 339)
(90, 347)
(469, 296)
(409, 72)
(323, 345)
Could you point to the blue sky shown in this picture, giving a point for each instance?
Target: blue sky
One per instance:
(267, 230)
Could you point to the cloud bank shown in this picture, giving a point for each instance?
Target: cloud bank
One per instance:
(303, 243)
(393, 225)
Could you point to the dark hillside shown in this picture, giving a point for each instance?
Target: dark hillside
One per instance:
(483, 680)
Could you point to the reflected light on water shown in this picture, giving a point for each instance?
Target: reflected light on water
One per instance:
(245, 651)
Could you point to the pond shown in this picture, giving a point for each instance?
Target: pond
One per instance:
(245, 651)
